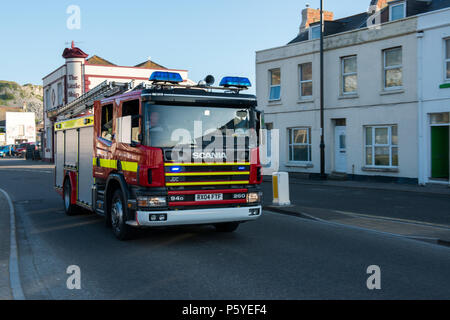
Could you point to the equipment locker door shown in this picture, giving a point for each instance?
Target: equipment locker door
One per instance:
(85, 170)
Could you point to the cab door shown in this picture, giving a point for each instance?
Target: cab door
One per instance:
(128, 140)
(104, 123)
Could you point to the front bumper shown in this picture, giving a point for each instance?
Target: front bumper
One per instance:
(198, 216)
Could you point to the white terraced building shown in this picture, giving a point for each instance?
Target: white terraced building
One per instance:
(371, 92)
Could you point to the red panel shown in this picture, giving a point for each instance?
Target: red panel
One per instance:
(255, 164)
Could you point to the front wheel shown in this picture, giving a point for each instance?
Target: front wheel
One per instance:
(121, 230)
(227, 227)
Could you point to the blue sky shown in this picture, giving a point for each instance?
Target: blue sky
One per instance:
(204, 37)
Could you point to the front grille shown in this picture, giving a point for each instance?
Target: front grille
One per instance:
(206, 174)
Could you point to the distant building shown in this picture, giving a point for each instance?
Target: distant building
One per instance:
(20, 127)
(80, 74)
(371, 91)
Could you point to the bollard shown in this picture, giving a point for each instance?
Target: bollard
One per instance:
(280, 185)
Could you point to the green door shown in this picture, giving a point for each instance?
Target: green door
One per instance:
(440, 152)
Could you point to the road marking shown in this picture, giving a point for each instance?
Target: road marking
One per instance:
(14, 276)
(398, 220)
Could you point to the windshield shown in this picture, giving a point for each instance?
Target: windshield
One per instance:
(167, 126)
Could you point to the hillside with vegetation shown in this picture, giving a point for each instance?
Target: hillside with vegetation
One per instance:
(14, 95)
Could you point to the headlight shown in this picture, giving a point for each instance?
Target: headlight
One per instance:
(147, 202)
(253, 197)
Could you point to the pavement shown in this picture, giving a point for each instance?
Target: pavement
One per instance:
(416, 212)
(279, 256)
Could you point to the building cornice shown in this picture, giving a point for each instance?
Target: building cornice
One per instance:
(388, 30)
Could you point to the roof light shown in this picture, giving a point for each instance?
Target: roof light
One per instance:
(235, 82)
(160, 76)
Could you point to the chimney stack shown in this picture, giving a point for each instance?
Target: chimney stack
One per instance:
(310, 15)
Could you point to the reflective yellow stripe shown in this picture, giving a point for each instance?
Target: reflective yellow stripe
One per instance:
(193, 174)
(207, 164)
(206, 183)
(112, 164)
(275, 187)
(107, 163)
(129, 166)
(75, 123)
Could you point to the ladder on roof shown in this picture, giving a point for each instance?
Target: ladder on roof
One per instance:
(86, 101)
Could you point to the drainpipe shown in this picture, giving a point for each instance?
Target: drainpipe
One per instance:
(422, 163)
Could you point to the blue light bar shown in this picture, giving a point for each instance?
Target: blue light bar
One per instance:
(160, 76)
(242, 168)
(235, 82)
(175, 169)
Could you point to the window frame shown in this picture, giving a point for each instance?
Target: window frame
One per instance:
(301, 82)
(373, 146)
(271, 86)
(292, 144)
(59, 89)
(385, 69)
(343, 75)
(123, 113)
(101, 124)
(392, 6)
(446, 59)
(311, 32)
(47, 99)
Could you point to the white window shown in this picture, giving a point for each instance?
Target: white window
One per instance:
(397, 11)
(447, 59)
(60, 94)
(47, 99)
(381, 146)
(314, 32)
(306, 84)
(48, 138)
(299, 144)
(393, 69)
(275, 85)
(349, 75)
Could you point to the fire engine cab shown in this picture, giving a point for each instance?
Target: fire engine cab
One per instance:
(161, 154)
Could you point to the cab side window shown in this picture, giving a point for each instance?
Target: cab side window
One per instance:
(131, 108)
(107, 122)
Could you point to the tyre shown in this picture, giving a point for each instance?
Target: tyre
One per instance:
(118, 214)
(69, 208)
(227, 227)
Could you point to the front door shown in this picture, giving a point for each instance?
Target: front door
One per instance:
(440, 152)
(340, 145)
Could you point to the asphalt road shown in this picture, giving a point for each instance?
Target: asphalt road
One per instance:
(276, 257)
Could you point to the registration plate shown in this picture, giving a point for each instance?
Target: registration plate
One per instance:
(209, 197)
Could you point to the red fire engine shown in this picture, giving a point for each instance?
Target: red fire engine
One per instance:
(136, 156)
